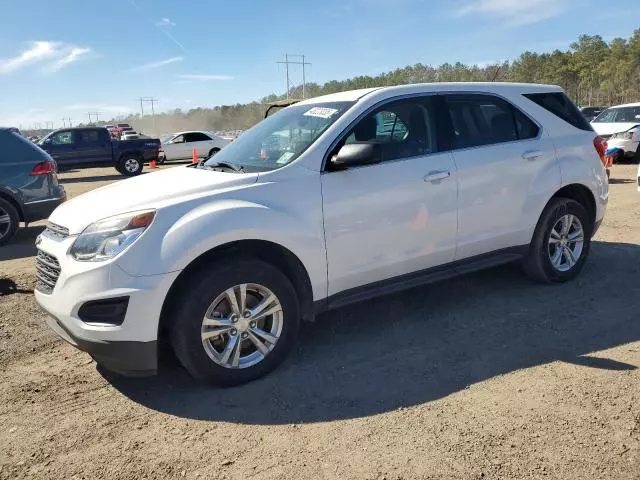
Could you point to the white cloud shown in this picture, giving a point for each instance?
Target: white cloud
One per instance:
(161, 63)
(99, 107)
(165, 22)
(70, 55)
(37, 52)
(58, 54)
(202, 78)
(514, 12)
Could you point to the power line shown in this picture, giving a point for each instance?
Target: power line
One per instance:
(288, 62)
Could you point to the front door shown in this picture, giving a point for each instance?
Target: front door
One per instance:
(397, 216)
(62, 146)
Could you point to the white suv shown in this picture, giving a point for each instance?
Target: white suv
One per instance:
(330, 201)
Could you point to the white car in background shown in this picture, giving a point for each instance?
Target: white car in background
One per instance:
(129, 135)
(620, 127)
(179, 146)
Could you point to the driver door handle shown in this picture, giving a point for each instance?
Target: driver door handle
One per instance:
(532, 154)
(437, 175)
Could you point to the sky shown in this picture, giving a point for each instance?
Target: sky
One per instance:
(70, 57)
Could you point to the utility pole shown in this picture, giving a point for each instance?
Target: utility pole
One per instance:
(304, 63)
(64, 123)
(152, 101)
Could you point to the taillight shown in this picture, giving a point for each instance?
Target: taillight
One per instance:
(601, 147)
(43, 168)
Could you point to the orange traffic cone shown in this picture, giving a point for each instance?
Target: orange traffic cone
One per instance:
(153, 164)
(194, 157)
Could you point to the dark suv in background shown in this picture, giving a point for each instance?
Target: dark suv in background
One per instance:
(29, 189)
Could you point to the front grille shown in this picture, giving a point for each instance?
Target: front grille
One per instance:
(56, 231)
(47, 272)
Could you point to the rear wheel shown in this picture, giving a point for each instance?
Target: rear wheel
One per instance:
(236, 321)
(130, 165)
(9, 221)
(561, 242)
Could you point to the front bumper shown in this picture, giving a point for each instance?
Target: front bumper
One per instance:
(132, 359)
(127, 346)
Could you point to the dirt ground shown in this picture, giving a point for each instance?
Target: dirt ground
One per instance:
(485, 376)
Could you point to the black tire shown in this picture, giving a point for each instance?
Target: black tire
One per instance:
(127, 162)
(8, 230)
(537, 264)
(201, 289)
(212, 152)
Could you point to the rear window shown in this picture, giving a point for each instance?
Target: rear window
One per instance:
(14, 148)
(560, 105)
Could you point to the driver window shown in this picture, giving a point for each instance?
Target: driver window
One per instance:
(63, 138)
(403, 128)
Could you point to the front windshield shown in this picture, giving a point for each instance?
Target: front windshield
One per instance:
(619, 115)
(281, 138)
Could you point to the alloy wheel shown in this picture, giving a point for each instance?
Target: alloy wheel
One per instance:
(566, 241)
(131, 165)
(242, 326)
(5, 222)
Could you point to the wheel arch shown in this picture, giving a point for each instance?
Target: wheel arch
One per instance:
(277, 255)
(581, 194)
(129, 153)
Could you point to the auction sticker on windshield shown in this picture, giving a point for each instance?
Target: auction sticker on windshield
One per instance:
(321, 112)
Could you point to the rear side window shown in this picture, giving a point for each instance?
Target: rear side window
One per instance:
(90, 137)
(196, 137)
(14, 148)
(485, 120)
(560, 105)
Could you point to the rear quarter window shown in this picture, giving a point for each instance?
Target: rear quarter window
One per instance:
(14, 148)
(562, 107)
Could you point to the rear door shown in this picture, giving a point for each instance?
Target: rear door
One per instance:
(200, 141)
(501, 156)
(94, 146)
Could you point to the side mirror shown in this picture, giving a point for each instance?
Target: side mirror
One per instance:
(356, 154)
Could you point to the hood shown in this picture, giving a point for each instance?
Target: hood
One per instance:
(611, 128)
(151, 190)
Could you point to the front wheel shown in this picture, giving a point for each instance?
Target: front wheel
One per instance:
(130, 166)
(212, 152)
(561, 242)
(235, 321)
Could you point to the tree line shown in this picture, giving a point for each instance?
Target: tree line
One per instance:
(592, 72)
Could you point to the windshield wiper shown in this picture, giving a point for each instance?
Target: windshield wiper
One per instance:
(230, 166)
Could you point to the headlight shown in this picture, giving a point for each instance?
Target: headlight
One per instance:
(623, 135)
(107, 238)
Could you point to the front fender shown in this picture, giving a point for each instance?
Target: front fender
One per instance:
(207, 226)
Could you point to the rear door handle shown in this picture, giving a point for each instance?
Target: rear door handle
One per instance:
(437, 175)
(532, 154)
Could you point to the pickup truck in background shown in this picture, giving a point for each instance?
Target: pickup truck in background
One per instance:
(93, 146)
